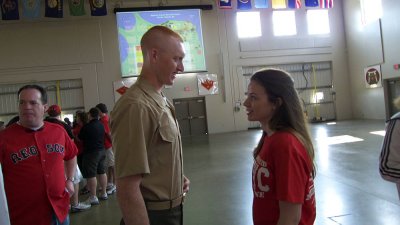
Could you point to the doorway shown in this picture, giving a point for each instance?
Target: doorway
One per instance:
(191, 116)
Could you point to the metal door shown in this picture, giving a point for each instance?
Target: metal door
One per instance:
(191, 115)
(392, 88)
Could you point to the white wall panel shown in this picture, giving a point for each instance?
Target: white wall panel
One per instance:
(42, 44)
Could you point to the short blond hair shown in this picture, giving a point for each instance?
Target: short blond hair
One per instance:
(154, 35)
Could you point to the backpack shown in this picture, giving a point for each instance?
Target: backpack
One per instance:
(389, 160)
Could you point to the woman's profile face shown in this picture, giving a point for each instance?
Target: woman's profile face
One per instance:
(258, 106)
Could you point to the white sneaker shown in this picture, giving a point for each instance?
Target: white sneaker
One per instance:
(111, 190)
(80, 207)
(109, 186)
(92, 200)
(103, 197)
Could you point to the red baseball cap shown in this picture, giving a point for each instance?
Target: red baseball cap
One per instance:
(54, 110)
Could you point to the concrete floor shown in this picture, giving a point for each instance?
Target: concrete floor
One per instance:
(349, 190)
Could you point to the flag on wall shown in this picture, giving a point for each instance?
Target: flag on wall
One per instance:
(244, 4)
(98, 7)
(207, 84)
(76, 7)
(311, 3)
(261, 4)
(31, 8)
(121, 86)
(294, 4)
(225, 4)
(9, 9)
(54, 8)
(326, 3)
(278, 4)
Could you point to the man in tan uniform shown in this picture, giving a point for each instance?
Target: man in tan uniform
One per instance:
(146, 138)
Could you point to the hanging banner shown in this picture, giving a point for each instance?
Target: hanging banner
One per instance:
(54, 8)
(311, 3)
(373, 76)
(76, 7)
(207, 84)
(9, 9)
(294, 4)
(225, 4)
(31, 9)
(244, 4)
(120, 86)
(326, 3)
(279, 4)
(98, 7)
(261, 4)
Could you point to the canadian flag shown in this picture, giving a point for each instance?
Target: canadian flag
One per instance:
(207, 84)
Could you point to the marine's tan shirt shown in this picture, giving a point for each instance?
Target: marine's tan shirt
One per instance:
(146, 140)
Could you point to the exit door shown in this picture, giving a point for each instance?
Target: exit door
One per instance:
(191, 115)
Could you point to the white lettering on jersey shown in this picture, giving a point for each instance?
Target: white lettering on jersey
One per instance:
(311, 190)
(260, 173)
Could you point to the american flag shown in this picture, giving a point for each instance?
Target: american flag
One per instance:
(294, 4)
(326, 3)
(311, 3)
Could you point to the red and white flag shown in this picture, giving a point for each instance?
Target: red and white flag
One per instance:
(326, 3)
(207, 84)
(120, 86)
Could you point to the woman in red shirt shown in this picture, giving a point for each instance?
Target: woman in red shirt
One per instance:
(283, 169)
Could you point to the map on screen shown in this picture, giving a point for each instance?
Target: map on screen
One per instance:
(132, 26)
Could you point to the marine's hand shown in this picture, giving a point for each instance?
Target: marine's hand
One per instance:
(186, 183)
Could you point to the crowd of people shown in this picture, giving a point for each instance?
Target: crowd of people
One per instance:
(44, 160)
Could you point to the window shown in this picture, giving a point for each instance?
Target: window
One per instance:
(248, 24)
(371, 10)
(318, 21)
(284, 23)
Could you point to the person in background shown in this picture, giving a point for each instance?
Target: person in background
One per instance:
(283, 169)
(81, 118)
(389, 160)
(67, 121)
(93, 157)
(54, 113)
(110, 160)
(38, 163)
(148, 150)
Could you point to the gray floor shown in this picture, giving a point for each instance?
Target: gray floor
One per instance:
(349, 190)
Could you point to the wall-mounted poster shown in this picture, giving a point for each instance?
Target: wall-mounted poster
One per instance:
(120, 86)
(133, 24)
(207, 84)
(373, 76)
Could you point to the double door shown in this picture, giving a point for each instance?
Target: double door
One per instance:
(191, 115)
